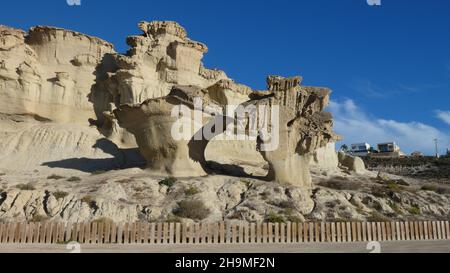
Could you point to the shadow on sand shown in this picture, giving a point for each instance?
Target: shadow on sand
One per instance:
(122, 159)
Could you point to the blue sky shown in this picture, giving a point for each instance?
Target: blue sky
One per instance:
(388, 65)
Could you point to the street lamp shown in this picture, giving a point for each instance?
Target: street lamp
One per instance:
(436, 146)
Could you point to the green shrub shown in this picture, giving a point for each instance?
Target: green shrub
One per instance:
(247, 183)
(377, 217)
(273, 217)
(173, 219)
(286, 205)
(26, 187)
(39, 218)
(192, 209)
(60, 194)
(395, 207)
(98, 172)
(392, 185)
(169, 182)
(191, 191)
(90, 201)
(380, 192)
(55, 177)
(415, 210)
(125, 181)
(74, 179)
(290, 216)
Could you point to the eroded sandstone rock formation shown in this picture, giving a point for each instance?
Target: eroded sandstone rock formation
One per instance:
(293, 117)
(49, 72)
(76, 84)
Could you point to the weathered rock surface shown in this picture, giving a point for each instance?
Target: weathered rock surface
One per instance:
(63, 93)
(294, 114)
(49, 72)
(352, 163)
(136, 195)
(124, 198)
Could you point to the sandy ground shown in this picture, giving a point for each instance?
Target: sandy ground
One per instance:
(385, 247)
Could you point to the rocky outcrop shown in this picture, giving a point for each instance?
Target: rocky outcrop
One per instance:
(303, 127)
(351, 163)
(49, 72)
(147, 199)
(290, 126)
(74, 82)
(162, 57)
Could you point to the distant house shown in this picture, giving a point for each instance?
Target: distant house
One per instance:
(417, 154)
(389, 149)
(360, 149)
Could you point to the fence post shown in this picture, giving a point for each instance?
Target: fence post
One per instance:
(270, 232)
(171, 233)
(283, 233)
(447, 228)
(349, 232)
(343, 232)
(311, 231)
(300, 232)
(277, 233)
(435, 231)
(333, 232)
(322, 232)
(234, 233)
(379, 232)
(265, 232)
(113, 232)
(338, 232)
(328, 232)
(259, 235)
(412, 231)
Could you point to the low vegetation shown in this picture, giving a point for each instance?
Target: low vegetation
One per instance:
(395, 207)
(169, 182)
(88, 199)
(103, 220)
(247, 183)
(173, 219)
(274, 217)
(98, 172)
(55, 177)
(125, 181)
(25, 187)
(74, 179)
(393, 186)
(341, 184)
(377, 217)
(415, 210)
(38, 218)
(191, 191)
(192, 209)
(284, 204)
(60, 194)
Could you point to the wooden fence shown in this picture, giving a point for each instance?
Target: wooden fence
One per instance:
(223, 232)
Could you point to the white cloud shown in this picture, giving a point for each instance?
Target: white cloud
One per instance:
(357, 126)
(444, 116)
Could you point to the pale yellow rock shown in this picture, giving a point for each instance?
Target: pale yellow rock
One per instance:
(67, 83)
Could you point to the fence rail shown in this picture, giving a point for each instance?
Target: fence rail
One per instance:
(219, 233)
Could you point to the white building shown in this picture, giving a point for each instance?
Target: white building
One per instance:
(360, 149)
(389, 149)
